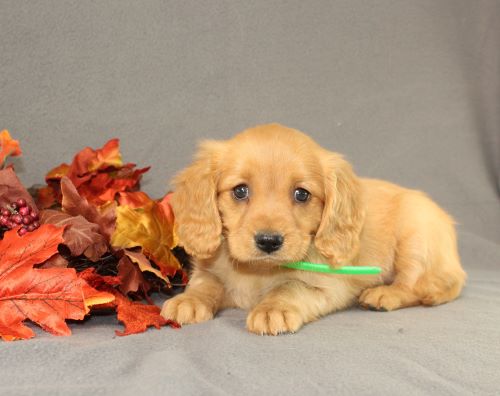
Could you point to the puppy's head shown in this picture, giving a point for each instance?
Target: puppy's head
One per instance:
(273, 194)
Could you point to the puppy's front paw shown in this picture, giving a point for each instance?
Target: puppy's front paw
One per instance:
(186, 308)
(268, 319)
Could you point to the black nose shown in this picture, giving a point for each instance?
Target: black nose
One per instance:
(268, 242)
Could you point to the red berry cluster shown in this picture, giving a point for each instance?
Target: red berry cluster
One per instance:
(19, 213)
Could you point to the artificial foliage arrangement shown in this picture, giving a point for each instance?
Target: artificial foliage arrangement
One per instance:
(87, 242)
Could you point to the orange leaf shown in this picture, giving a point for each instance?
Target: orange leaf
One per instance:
(136, 317)
(108, 156)
(57, 172)
(8, 147)
(45, 296)
(45, 197)
(135, 199)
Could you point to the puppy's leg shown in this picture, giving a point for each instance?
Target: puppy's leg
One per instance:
(428, 272)
(199, 303)
(289, 306)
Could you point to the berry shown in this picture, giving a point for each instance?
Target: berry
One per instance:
(17, 218)
(24, 210)
(19, 213)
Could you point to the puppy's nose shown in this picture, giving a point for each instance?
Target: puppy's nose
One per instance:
(268, 242)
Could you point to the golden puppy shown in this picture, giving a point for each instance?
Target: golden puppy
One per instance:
(271, 195)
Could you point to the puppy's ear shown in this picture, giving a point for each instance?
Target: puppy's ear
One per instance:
(337, 237)
(198, 223)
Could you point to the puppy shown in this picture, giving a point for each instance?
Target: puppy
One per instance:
(271, 195)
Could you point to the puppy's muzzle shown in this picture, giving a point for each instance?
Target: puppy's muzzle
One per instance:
(268, 242)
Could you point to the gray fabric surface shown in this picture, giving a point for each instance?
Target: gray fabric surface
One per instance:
(408, 90)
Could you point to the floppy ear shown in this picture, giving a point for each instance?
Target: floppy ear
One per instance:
(198, 223)
(337, 237)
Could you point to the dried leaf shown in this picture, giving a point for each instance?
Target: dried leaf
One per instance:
(11, 189)
(74, 204)
(130, 275)
(45, 296)
(80, 236)
(136, 317)
(56, 261)
(144, 264)
(148, 228)
(8, 147)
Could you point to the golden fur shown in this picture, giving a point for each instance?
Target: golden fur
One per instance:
(347, 221)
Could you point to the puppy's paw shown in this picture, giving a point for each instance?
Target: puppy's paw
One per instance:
(270, 320)
(186, 308)
(386, 298)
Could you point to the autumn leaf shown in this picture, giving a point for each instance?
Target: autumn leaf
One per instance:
(45, 197)
(45, 296)
(148, 228)
(135, 316)
(11, 189)
(144, 264)
(80, 236)
(135, 199)
(98, 175)
(103, 187)
(74, 204)
(8, 147)
(131, 277)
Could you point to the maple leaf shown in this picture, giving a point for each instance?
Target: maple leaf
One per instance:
(45, 296)
(11, 189)
(136, 317)
(8, 147)
(98, 175)
(148, 228)
(80, 236)
(74, 204)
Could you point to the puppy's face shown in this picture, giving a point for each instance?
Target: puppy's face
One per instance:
(271, 193)
(270, 196)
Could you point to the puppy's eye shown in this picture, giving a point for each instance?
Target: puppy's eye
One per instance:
(301, 195)
(240, 192)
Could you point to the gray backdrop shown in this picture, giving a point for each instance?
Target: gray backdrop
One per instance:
(408, 90)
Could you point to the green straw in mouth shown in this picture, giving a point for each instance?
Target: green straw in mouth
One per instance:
(346, 270)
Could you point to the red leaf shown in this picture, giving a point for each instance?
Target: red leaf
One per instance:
(80, 236)
(45, 296)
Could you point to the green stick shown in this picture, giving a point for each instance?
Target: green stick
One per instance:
(346, 270)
